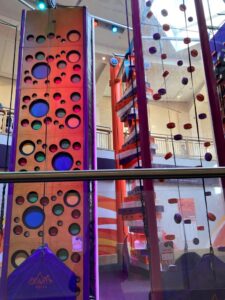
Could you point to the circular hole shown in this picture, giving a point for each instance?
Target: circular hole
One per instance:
(39, 156)
(24, 107)
(40, 39)
(62, 254)
(62, 161)
(20, 200)
(35, 82)
(57, 96)
(47, 120)
(60, 113)
(26, 72)
(64, 144)
(75, 78)
(72, 198)
(46, 95)
(18, 258)
(27, 147)
(40, 55)
(26, 234)
(40, 233)
(30, 38)
(74, 229)
(58, 37)
(75, 257)
(57, 80)
(41, 70)
(53, 148)
(76, 108)
(61, 126)
(60, 223)
(29, 58)
(56, 122)
(63, 74)
(26, 99)
(53, 198)
(32, 197)
(33, 217)
(24, 123)
(34, 95)
(44, 201)
(16, 219)
(73, 121)
(50, 58)
(39, 108)
(39, 142)
(77, 292)
(44, 146)
(62, 101)
(76, 67)
(47, 81)
(37, 169)
(36, 125)
(60, 193)
(73, 56)
(75, 96)
(76, 146)
(53, 231)
(50, 35)
(28, 80)
(63, 40)
(78, 162)
(78, 279)
(73, 36)
(63, 52)
(61, 64)
(76, 214)
(22, 161)
(58, 209)
(18, 230)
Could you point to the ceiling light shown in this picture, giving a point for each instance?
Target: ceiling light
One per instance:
(114, 29)
(103, 58)
(41, 5)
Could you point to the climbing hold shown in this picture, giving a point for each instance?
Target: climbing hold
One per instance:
(164, 12)
(152, 50)
(178, 137)
(170, 237)
(194, 53)
(182, 7)
(191, 69)
(162, 91)
(165, 73)
(184, 81)
(208, 193)
(200, 228)
(187, 40)
(170, 125)
(149, 14)
(166, 27)
(172, 200)
(163, 56)
(208, 156)
(211, 217)
(207, 144)
(195, 241)
(187, 221)
(156, 96)
(202, 116)
(190, 19)
(187, 126)
(200, 97)
(180, 63)
(168, 155)
(177, 218)
(148, 3)
(156, 36)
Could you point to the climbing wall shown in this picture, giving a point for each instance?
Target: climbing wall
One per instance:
(52, 134)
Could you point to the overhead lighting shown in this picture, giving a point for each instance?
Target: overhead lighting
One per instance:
(114, 29)
(103, 58)
(41, 5)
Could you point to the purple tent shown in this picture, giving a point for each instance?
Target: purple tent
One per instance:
(42, 277)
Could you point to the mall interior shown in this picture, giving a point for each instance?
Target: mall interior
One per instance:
(92, 95)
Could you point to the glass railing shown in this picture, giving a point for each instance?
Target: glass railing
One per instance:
(80, 235)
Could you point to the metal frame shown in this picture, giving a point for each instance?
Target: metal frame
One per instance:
(92, 175)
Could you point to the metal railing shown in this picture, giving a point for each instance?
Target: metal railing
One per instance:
(6, 120)
(104, 138)
(93, 175)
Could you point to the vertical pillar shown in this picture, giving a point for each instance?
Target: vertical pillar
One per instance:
(118, 141)
(149, 197)
(211, 85)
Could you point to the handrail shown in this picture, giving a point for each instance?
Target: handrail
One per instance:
(92, 175)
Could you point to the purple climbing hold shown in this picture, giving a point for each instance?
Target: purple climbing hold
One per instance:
(184, 81)
(177, 218)
(178, 137)
(152, 50)
(162, 91)
(156, 36)
(208, 156)
(202, 116)
(180, 63)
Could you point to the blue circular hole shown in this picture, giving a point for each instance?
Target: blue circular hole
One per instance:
(62, 161)
(33, 217)
(41, 70)
(39, 108)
